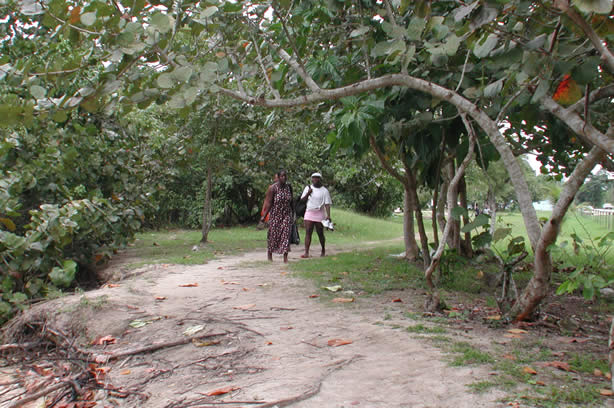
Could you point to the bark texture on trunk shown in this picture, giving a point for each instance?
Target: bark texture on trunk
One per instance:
(466, 247)
(424, 241)
(539, 285)
(451, 196)
(411, 246)
(207, 208)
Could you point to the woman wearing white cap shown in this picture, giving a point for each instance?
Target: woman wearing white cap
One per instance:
(318, 211)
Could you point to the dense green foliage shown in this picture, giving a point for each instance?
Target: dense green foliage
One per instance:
(69, 196)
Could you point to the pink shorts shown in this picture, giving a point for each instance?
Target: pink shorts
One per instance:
(314, 215)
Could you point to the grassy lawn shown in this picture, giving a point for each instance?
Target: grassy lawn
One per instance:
(176, 246)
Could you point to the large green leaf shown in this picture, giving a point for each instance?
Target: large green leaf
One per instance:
(162, 22)
(88, 19)
(594, 6)
(63, 277)
(485, 45)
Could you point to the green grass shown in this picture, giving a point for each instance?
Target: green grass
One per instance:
(371, 271)
(175, 246)
(468, 354)
(420, 328)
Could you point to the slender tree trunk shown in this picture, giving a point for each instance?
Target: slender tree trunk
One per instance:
(441, 205)
(434, 214)
(466, 247)
(492, 204)
(409, 235)
(207, 207)
(539, 285)
(428, 274)
(424, 241)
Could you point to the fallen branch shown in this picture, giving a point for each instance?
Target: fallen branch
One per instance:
(27, 345)
(33, 397)
(152, 347)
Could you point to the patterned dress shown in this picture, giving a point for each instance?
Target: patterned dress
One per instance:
(280, 220)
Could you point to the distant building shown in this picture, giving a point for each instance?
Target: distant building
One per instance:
(544, 205)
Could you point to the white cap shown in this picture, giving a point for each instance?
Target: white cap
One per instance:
(316, 175)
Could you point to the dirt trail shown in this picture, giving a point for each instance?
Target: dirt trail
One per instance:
(276, 351)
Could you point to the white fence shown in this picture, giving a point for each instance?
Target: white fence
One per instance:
(602, 216)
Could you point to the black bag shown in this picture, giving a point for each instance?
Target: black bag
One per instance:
(300, 207)
(294, 237)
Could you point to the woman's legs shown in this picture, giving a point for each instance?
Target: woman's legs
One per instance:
(285, 257)
(308, 233)
(269, 255)
(320, 231)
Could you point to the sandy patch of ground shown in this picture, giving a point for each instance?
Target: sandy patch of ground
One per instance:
(274, 350)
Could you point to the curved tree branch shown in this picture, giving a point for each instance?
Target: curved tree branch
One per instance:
(598, 43)
(572, 119)
(462, 104)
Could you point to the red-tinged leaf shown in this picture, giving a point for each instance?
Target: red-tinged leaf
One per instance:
(125, 372)
(113, 285)
(343, 300)
(220, 267)
(561, 365)
(529, 370)
(567, 92)
(229, 283)
(160, 298)
(222, 391)
(104, 340)
(540, 383)
(40, 370)
(245, 290)
(397, 300)
(606, 393)
(245, 307)
(269, 343)
(75, 15)
(313, 296)
(286, 328)
(189, 285)
(494, 317)
(338, 342)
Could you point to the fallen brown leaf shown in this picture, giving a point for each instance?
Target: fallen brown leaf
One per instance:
(104, 340)
(221, 391)
(313, 296)
(338, 342)
(245, 307)
(160, 298)
(606, 393)
(125, 372)
(517, 331)
(230, 283)
(543, 384)
(343, 300)
(529, 370)
(397, 300)
(509, 357)
(561, 365)
(189, 285)
(113, 285)
(514, 336)
(597, 372)
(286, 328)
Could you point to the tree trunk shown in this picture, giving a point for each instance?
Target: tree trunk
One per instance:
(424, 241)
(466, 247)
(411, 246)
(611, 354)
(428, 274)
(434, 211)
(207, 208)
(539, 285)
(493, 212)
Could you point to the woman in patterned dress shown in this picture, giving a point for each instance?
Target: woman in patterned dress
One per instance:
(278, 205)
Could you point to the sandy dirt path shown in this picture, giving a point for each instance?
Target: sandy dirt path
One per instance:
(275, 349)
